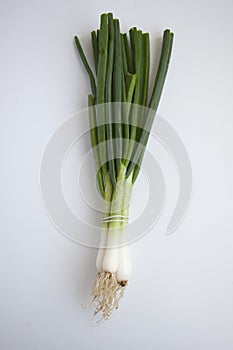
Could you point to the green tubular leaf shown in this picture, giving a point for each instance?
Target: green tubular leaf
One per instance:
(127, 52)
(117, 93)
(129, 81)
(94, 141)
(100, 93)
(128, 186)
(162, 69)
(132, 35)
(123, 87)
(109, 69)
(135, 173)
(138, 94)
(145, 66)
(102, 62)
(108, 94)
(130, 86)
(95, 48)
(98, 40)
(117, 76)
(124, 119)
(138, 68)
(86, 65)
(124, 58)
(132, 121)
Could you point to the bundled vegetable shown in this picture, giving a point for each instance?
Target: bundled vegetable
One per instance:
(121, 116)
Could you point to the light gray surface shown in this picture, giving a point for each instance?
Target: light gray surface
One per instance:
(181, 292)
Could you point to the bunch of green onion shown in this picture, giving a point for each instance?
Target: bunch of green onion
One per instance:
(120, 120)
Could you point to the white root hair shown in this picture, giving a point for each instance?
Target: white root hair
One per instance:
(107, 293)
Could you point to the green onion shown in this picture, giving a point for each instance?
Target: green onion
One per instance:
(120, 119)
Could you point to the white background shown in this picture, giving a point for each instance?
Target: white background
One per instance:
(181, 292)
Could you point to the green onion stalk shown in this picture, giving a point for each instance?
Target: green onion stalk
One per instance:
(120, 120)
